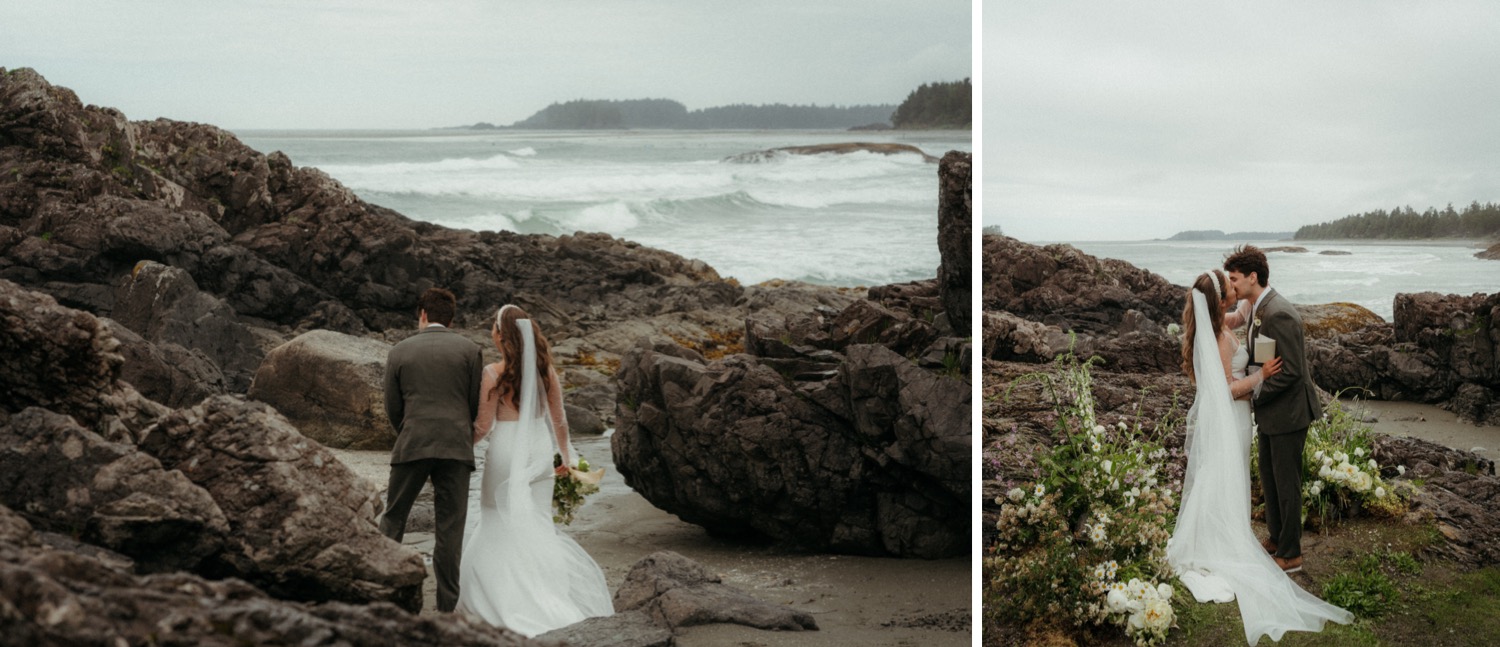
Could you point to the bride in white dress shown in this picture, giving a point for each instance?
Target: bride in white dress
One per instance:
(1213, 549)
(518, 570)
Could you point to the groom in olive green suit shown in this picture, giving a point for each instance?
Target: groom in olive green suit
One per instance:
(1283, 406)
(431, 395)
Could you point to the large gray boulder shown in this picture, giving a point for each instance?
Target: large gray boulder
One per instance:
(331, 386)
(303, 525)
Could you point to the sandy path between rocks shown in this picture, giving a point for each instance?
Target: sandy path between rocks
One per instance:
(856, 600)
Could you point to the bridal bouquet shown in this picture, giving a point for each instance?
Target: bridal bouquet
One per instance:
(569, 490)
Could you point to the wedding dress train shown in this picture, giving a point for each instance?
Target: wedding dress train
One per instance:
(518, 570)
(1213, 549)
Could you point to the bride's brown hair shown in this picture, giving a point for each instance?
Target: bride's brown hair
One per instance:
(1215, 298)
(510, 347)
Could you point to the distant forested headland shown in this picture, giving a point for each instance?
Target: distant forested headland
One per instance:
(1215, 234)
(931, 106)
(586, 114)
(1475, 221)
(937, 105)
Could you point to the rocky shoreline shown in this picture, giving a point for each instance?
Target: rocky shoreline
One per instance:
(1042, 301)
(188, 322)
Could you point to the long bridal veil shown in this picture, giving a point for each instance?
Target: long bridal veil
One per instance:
(1212, 548)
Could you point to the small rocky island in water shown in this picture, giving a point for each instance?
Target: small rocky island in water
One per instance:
(189, 325)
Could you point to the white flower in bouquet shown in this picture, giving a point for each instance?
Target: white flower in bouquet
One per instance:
(1359, 451)
(1098, 429)
(1107, 466)
(1362, 482)
(1155, 616)
(1325, 472)
(1096, 446)
(1327, 461)
(1315, 488)
(1112, 567)
(1401, 469)
(1380, 493)
(1164, 591)
(1318, 455)
(1039, 490)
(1341, 457)
(1016, 494)
(1122, 425)
(1098, 534)
(1138, 589)
(1348, 471)
(1373, 466)
(1116, 601)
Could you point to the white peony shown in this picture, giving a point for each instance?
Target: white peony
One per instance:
(1316, 487)
(1380, 493)
(1154, 616)
(1325, 472)
(1116, 601)
(1016, 494)
(1164, 591)
(1359, 451)
(1362, 482)
(1098, 429)
(1373, 466)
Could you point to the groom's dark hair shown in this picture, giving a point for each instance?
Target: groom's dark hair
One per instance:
(439, 304)
(1247, 259)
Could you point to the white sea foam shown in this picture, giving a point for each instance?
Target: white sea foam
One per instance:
(858, 218)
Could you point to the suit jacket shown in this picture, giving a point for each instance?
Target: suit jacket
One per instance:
(1288, 401)
(432, 394)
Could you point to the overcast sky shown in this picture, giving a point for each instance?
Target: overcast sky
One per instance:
(407, 64)
(1137, 120)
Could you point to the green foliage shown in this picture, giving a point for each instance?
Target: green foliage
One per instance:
(585, 114)
(993, 230)
(1085, 545)
(1475, 221)
(47, 236)
(1367, 590)
(937, 105)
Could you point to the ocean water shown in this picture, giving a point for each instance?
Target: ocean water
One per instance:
(854, 219)
(1371, 275)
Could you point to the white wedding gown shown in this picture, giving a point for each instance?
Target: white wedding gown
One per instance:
(1213, 549)
(518, 570)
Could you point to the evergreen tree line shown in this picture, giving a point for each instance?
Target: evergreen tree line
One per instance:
(1475, 221)
(937, 105)
(666, 113)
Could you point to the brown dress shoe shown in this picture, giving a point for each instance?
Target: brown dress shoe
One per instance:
(1269, 545)
(1289, 565)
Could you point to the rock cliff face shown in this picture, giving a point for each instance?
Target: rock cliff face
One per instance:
(838, 429)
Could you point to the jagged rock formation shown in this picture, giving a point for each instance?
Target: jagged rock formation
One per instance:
(1491, 254)
(955, 236)
(227, 488)
(1441, 349)
(76, 596)
(839, 429)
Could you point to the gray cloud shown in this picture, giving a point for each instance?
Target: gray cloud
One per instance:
(1138, 120)
(393, 63)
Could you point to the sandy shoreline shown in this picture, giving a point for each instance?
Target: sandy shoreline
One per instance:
(856, 600)
(1429, 422)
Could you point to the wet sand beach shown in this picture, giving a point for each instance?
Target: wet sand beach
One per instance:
(856, 600)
